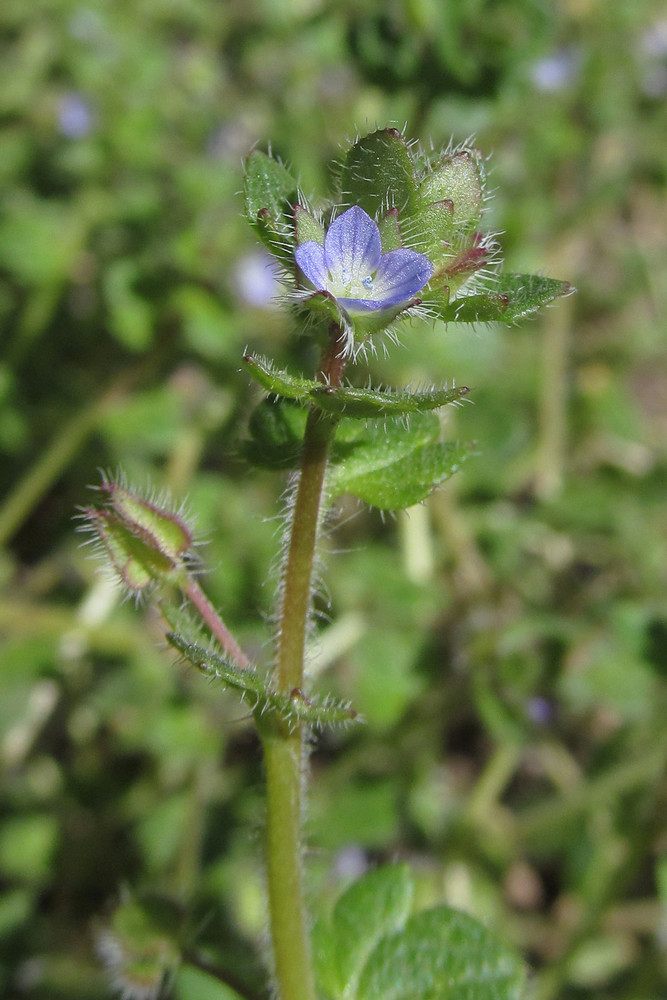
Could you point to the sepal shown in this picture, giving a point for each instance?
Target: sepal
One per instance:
(136, 564)
(459, 178)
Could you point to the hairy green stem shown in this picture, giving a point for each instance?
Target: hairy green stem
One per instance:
(283, 747)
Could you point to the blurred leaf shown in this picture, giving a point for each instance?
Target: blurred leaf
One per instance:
(373, 949)
(15, 909)
(375, 905)
(27, 846)
(195, 984)
(130, 316)
(276, 435)
(442, 955)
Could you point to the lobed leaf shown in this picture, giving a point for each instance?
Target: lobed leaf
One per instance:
(395, 465)
(514, 297)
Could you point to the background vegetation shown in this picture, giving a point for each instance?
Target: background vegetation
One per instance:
(506, 642)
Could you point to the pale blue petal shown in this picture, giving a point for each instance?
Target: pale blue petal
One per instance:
(352, 246)
(361, 305)
(401, 274)
(310, 258)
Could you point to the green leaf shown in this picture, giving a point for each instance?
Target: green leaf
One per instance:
(392, 465)
(281, 383)
(369, 404)
(378, 173)
(270, 196)
(269, 187)
(191, 983)
(375, 905)
(365, 404)
(514, 297)
(293, 708)
(441, 955)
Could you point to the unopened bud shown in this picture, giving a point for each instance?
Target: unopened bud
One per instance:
(459, 180)
(136, 563)
(161, 529)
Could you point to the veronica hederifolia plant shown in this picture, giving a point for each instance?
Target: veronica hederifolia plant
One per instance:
(402, 236)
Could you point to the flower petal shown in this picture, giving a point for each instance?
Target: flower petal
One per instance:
(360, 305)
(310, 258)
(401, 274)
(352, 246)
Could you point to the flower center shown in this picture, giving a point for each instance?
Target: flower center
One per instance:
(345, 283)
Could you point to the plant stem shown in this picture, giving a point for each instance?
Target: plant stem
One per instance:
(196, 596)
(284, 748)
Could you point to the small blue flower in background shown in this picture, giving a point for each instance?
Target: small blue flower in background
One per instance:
(352, 268)
(256, 279)
(75, 116)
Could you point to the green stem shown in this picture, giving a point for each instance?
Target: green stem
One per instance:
(284, 748)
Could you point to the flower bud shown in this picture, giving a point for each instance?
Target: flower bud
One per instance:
(162, 530)
(137, 564)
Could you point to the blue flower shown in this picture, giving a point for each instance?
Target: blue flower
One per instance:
(352, 269)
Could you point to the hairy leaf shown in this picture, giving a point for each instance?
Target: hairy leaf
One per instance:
(393, 465)
(348, 401)
(514, 297)
(293, 708)
(378, 173)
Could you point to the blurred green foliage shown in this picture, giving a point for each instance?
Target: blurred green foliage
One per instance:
(507, 642)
